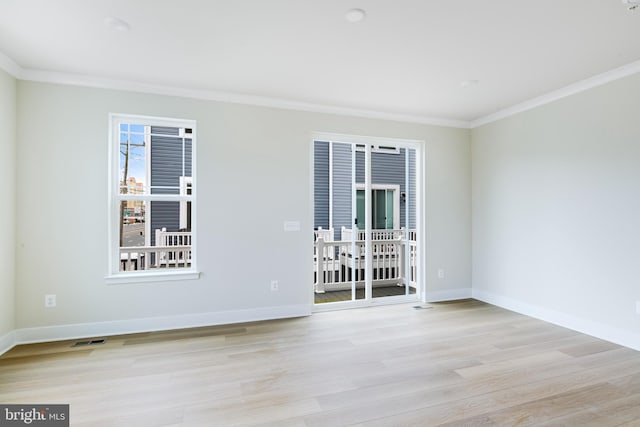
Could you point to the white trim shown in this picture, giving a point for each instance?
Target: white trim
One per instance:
(363, 139)
(147, 276)
(156, 121)
(234, 98)
(572, 89)
(18, 72)
(421, 203)
(363, 303)
(585, 326)
(420, 147)
(186, 183)
(330, 183)
(152, 324)
(10, 66)
(368, 226)
(147, 177)
(114, 276)
(154, 197)
(7, 342)
(447, 295)
(379, 148)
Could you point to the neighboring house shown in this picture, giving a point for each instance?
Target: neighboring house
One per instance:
(134, 209)
(391, 170)
(169, 166)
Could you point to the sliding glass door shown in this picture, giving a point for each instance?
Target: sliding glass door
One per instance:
(365, 211)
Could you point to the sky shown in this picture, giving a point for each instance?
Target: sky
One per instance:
(137, 156)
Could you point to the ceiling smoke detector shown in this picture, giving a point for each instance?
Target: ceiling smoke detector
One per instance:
(632, 4)
(116, 24)
(355, 15)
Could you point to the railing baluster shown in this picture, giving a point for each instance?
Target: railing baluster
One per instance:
(320, 262)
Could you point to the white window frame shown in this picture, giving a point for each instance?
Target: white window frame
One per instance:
(186, 188)
(380, 148)
(114, 275)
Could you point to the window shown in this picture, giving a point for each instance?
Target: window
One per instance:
(385, 207)
(186, 183)
(152, 191)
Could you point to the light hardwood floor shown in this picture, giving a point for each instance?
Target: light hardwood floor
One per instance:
(460, 364)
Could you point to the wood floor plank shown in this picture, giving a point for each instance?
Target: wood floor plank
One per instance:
(462, 363)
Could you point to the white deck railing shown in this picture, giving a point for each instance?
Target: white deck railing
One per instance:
(391, 234)
(149, 257)
(172, 250)
(336, 267)
(172, 238)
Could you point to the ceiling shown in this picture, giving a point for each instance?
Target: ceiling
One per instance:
(407, 58)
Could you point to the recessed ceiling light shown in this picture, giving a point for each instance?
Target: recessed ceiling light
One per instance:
(116, 24)
(469, 83)
(355, 15)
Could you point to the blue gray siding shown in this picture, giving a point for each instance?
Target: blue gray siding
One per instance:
(386, 168)
(167, 167)
(321, 184)
(389, 168)
(342, 212)
(411, 193)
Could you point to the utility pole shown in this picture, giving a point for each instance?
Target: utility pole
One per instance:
(125, 185)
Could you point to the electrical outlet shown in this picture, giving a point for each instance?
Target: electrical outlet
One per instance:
(274, 285)
(49, 301)
(441, 273)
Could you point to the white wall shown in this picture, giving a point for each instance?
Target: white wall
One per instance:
(7, 206)
(556, 211)
(254, 172)
(448, 182)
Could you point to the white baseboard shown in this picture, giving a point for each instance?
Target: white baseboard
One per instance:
(585, 326)
(7, 342)
(151, 324)
(447, 295)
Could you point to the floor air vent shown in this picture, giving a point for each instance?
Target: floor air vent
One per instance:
(90, 342)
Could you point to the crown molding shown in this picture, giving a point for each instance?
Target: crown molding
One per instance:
(10, 66)
(42, 76)
(235, 98)
(572, 89)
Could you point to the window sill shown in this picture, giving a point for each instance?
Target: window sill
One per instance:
(146, 277)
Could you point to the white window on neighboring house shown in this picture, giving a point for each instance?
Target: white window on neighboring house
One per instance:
(186, 185)
(151, 195)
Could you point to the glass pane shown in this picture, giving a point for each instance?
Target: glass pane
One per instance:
(133, 161)
(132, 223)
(361, 221)
(171, 160)
(137, 128)
(132, 234)
(390, 212)
(356, 260)
(152, 236)
(379, 209)
(335, 266)
(389, 175)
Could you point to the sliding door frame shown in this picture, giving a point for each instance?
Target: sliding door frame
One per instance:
(369, 142)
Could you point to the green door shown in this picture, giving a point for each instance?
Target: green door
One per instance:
(381, 209)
